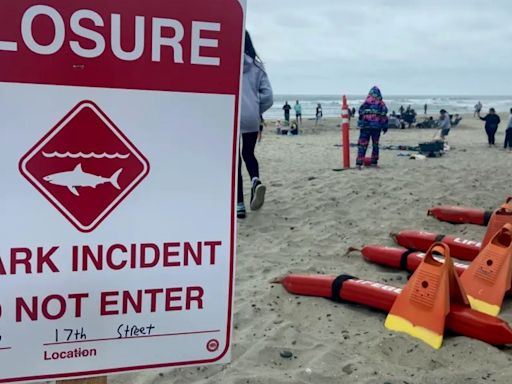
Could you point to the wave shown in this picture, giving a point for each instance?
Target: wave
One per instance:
(81, 155)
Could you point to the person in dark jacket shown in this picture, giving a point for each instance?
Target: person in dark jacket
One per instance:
(492, 120)
(257, 97)
(372, 120)
(286, 109)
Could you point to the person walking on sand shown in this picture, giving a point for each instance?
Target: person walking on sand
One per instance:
(444, 124)
(286, 109)
(508, 133)
(372, 120)
(298, 112)
(492, 120)
(318, 114)
(478, 108)
(257, 97)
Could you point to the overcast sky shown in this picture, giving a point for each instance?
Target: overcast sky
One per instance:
(456, 47)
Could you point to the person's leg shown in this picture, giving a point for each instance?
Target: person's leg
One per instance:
(493, 135)
(240, 207)
(505, 144)
(249, 140)
(375, 146)
(258, 189)
(509, 135)
(489, 134)
(362, 145)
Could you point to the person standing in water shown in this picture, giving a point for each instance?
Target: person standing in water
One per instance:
(372, 120)
(492, 120)
(257, 97)
(425, 107)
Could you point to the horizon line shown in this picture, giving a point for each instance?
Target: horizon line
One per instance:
(391, 95)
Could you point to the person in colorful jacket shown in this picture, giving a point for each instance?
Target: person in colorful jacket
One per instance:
(372, 121)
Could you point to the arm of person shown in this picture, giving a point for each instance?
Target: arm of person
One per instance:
(482, 118)
(266, 94)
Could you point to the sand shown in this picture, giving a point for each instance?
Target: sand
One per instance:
(310, 218)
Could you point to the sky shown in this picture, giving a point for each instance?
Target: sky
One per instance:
(429, 47)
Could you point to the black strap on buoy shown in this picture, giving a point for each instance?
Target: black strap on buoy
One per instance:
(487, 217)
(439, 238)
(337, 285)
(403, 259)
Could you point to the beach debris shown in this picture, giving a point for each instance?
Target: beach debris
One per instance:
(285, 354)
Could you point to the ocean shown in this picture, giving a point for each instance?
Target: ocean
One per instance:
(331, 104)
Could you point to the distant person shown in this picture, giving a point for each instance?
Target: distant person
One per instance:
(393, 113)
(508, 133)
(257, 97)
(425, 107)
(401, 109)
(286, 109)
(319, 114)
(372, 120)
(278, 127)
(294, 129)
(478, 108)
(444, 124)
(455, 120)
(492, 120)
(298, 112)
(353, 111)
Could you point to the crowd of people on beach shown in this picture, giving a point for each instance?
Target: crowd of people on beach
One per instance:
(373, 121)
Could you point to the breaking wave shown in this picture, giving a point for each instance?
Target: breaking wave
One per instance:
(81, 155)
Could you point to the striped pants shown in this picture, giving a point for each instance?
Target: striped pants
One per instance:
(362, 145)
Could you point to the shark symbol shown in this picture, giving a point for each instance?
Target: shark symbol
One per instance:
(78, 178)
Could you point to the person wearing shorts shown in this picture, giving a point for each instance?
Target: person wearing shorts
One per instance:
(444, 124)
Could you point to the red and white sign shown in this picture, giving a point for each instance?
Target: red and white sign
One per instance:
(118, 170)
(84, 166)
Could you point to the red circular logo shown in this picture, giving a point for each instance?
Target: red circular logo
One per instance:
(212, 345)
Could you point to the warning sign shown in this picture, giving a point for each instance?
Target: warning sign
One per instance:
(85, 166)
(118, 184)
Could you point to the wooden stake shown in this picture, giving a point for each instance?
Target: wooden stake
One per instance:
(92, 380)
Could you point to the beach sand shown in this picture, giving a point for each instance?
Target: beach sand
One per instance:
(310, 218)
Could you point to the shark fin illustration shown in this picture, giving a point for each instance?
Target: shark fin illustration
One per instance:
(115, 176)
(74, 191)
(78, 168)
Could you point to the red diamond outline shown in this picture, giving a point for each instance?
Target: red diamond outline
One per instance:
(51, 134)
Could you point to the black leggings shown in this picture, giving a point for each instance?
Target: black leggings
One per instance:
(491, 131)
(508, 138)
(248, 143)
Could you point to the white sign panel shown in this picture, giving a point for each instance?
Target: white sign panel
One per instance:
(118, 157)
